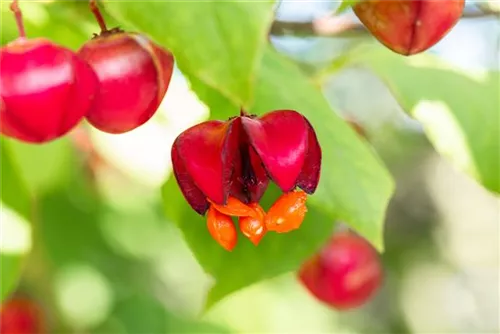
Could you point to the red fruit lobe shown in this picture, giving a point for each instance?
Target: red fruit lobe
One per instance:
(345, 274)
(134, 75)
(309, 176)
(46, 90)
(208, 150)
(409, 26)
(280, 139)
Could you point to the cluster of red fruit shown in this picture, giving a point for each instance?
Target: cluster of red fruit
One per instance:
(116, 81)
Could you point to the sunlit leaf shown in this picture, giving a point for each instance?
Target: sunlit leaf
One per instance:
(354, 187)
(247, 264)
(15, 216)
(144, 314)
(219, 42)
(459, 111)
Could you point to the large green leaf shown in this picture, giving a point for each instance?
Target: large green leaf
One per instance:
(14, 191)
(141, 313)
(16, 212)
(459, 111)
(219, 42)
(247, 264)
(354, 187)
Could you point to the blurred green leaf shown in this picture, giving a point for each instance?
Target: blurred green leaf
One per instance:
(45, 167)
(11, 271)
(345, 5)
(140, 313)
(14, 191)
(219, 42)
(50, 20)
(16, 212)
(459, 111)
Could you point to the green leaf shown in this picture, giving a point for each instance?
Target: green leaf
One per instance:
(246, 264)
(354, 185)
(460, 112)
(354, 188)
(14, 191)
(345, 5)
(218, 42)
(140, 313)
(45, 167)
(15, 214)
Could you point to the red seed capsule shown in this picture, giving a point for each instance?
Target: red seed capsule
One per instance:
(45, 90)
(134, 74)
(345, 274)
(409, 26)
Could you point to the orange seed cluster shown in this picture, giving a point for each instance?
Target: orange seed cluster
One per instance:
(285, 215)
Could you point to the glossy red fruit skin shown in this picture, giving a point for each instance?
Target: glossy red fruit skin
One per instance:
(409, 27)
(239, 157)
(345, 274)
(134, 74)
(20, 316)
(45, 90)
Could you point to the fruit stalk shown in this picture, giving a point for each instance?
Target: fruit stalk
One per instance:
(97, 13)
(14, 7)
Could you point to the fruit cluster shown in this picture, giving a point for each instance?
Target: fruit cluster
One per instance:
(224, 167)
(116, 81)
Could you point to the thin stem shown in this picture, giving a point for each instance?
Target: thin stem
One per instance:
(97, 13)
(14, 7)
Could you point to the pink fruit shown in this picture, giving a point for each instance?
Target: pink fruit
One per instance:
(46, 90)
(409, 26)
(134, 74)
(345, 274)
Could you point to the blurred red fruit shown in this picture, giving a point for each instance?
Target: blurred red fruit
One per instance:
(20, 316)
(45, 89)
(409, 26)
(345, 274)
(134, 74)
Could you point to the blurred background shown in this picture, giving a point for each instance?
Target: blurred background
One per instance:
(104, 259)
